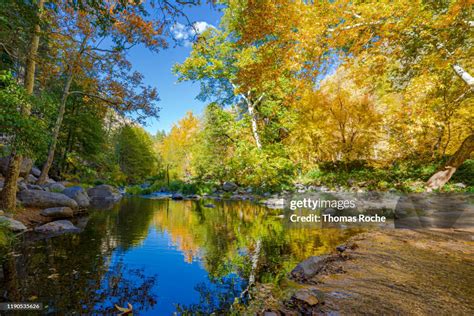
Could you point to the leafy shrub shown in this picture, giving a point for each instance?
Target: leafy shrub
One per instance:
(465, 173)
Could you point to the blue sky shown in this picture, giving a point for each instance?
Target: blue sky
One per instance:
(176, 98)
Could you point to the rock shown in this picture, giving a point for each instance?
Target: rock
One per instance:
(267, 194)
(31, 178)
(459, 185)
(12, 224)
(308, 268)
(21, 185)
(35, 171)
(307, 297)
(44, 199)
(145, 185)
(56, 187)
(61, 226)
(49, 181)
(177, 196)
(25, 166)
(209, 205)
(79, 195)
(341, 248)
(274, 203)
(34, 187)
(229, 186)
(104, 192)
(192, 197)
(58, 212)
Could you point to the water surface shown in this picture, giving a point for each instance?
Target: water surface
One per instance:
(161, 256)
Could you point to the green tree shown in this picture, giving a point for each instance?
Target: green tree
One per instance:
(136, 156)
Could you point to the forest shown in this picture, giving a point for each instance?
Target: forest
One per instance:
(366, 104)
(345, 94)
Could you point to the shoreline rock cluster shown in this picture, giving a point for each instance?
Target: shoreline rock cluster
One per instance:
(58, 201)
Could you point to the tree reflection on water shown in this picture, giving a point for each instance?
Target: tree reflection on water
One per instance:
(161, 256)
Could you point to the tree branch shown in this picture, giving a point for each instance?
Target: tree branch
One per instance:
(96, 97)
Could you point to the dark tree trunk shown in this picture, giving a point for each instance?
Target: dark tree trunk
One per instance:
(8, 194)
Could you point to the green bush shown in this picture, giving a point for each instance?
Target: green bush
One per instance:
(404, 176)
(465, 173)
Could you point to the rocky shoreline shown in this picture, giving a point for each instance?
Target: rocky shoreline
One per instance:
(382, 272)
(50, 208)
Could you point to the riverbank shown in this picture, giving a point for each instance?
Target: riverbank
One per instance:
(51, 207)
(393, 271)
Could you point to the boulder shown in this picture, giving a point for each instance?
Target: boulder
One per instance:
(58, 212)
(104, 192)
(61, 226)
(12, 224)
(306, 301)
(308, 268)
(44, 199)
(56, 187)
(21, 185)
(49, 181)
(25, 166)
(307, 297)
(79, 195)
(31, 178)
(177, 196)
(35, 171)
(229, 186)
(274, 203)
(34, 187)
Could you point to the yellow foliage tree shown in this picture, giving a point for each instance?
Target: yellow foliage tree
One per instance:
(176, 147)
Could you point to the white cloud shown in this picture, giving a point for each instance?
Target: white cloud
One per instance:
(180, 31)
(201, 26)
(186, 34)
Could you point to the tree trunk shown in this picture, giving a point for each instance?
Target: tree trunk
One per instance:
(8, 194)
(253, 118)
(31, 63)
(464, 75)
(62, 109)
(441, 177)
(57, 128)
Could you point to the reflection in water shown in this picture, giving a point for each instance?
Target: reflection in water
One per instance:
(161, 256)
